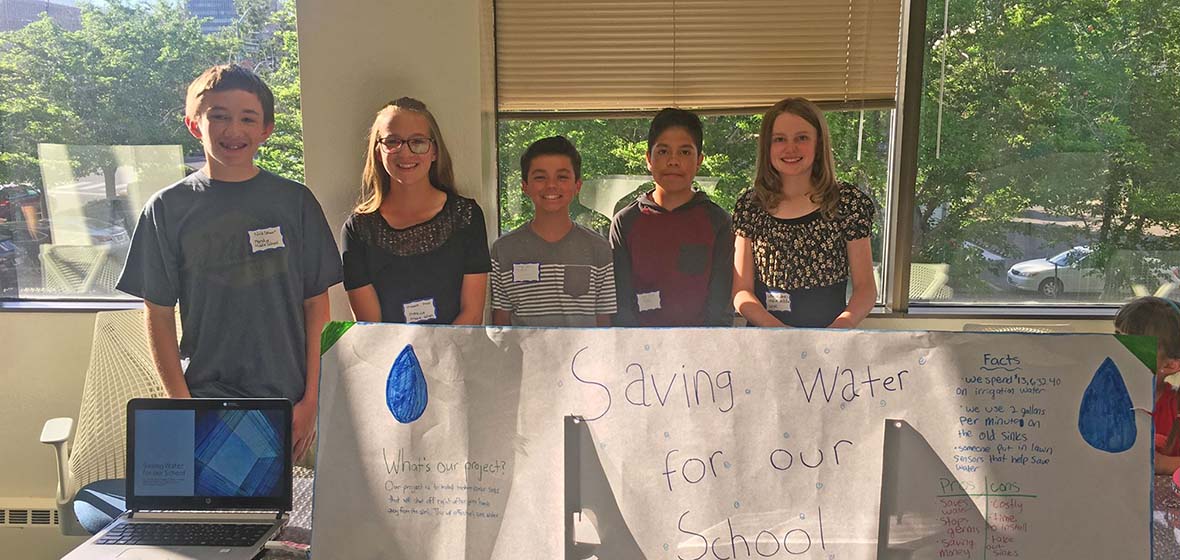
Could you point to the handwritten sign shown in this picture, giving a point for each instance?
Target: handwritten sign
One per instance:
(731, 443)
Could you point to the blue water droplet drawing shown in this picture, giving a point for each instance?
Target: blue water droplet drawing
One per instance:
(727, 465)
(819, 486)
(841, 406)
(647, 347)
(803, 355)
(827, 350)
(748, 391)
(802, 516)
(561, 383)
(405, 390)
(882, 402)
(1105, 418)
(737, 505)
(786, 435)
(922, 361)
(667, 435)
(665, 546)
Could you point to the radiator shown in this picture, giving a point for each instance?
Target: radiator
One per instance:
(28, 512)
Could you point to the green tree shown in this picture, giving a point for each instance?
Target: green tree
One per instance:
(283, 152)
(118, 80)
(1063, 106)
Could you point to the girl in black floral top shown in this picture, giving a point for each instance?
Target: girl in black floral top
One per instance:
(414, 250)
(799, 233)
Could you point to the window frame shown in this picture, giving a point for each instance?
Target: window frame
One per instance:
(897, 235)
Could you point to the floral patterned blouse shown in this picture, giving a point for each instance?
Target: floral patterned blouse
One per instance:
(801, 264)
(808, 251)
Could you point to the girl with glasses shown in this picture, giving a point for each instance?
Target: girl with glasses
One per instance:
(1159, 317)
(414, 250)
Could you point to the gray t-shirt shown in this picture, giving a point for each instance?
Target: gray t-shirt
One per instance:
(240, 258)
(563, 284)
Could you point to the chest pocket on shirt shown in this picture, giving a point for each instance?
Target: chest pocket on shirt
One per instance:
(693, 259)
(577, 280)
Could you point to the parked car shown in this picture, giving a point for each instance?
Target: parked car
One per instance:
(8, 255)
(1071, 270)
(13, 197)
(71, 230)
(98, 232)
(989, 256)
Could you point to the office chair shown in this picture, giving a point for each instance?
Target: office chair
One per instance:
(91, 465)
(928, 281)
(80, 269)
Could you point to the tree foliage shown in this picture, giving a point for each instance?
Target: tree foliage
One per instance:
(119, 79)
(1049, 112)
(1063, 106)
(1056, 119)
(283, 152)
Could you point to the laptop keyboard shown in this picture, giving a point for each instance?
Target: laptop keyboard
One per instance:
(185, 534)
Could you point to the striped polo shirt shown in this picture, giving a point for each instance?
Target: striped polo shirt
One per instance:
(567, 283)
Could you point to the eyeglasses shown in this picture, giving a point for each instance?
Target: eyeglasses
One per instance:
(393, 144)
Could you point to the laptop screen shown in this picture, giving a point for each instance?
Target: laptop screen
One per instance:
(192, 454)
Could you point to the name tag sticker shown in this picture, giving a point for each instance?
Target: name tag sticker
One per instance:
(420, 310)
(778, 301)
(266, 239)
(526, 272)
(649, 301)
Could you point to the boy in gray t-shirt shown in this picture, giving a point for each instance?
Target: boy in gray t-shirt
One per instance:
(248, 256)
(552, 272)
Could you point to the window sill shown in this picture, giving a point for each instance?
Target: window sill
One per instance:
(71, 306)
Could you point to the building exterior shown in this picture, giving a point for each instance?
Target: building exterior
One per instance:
(15, 14)
(222, 13)
(219, 13)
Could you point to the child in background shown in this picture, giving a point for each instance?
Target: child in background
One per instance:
(248, 256)
(800, 233)
(414, 250)
(673, 247)
(552, 272)
(1159, 317)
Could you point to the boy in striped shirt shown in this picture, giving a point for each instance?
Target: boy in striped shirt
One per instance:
(551, 272)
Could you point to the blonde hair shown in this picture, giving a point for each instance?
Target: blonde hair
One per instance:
(226, 77)
(768, 183)
(375, 179)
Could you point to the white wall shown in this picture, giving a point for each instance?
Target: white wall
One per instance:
(357, 55)
(43, 357)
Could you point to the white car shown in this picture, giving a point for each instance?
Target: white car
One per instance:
(1072, 270)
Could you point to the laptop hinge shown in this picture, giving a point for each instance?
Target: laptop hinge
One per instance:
(208, 516)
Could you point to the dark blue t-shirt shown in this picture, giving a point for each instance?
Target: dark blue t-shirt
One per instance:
(240, 258)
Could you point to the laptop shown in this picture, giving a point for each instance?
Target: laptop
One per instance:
(207, 479)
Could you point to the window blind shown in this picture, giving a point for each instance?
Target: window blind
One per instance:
(617, 56)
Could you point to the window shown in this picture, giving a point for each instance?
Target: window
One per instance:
(1047, 164)
(1046, 141)
(596, 72)
(614, 170)
(91, 125)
